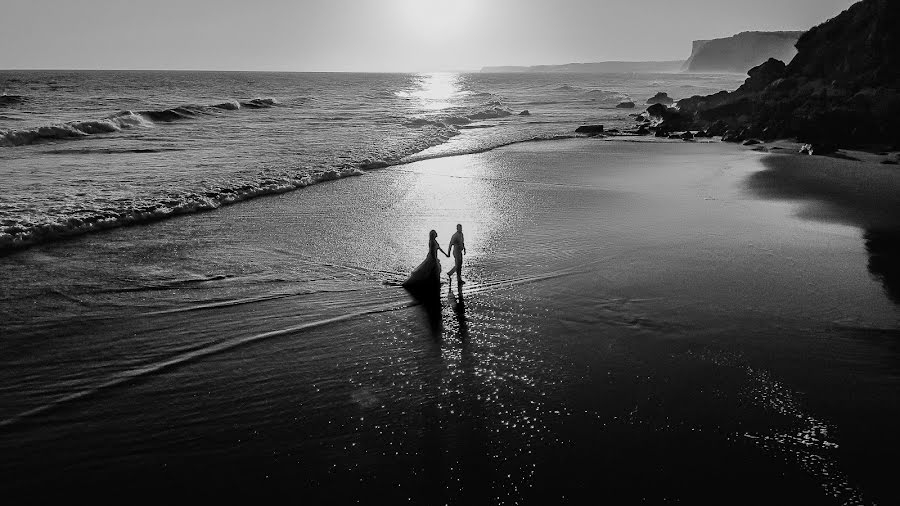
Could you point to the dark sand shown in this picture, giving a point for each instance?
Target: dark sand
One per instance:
(643, 322)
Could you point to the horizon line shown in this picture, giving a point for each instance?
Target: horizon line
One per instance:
(420, 71)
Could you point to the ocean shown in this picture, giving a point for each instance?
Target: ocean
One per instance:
(82, 151)
(643, 320)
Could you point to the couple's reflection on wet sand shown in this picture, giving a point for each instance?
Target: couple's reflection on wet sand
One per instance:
(458, 305)
(432, 305)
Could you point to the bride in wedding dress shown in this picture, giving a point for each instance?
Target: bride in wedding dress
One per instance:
(429, 271)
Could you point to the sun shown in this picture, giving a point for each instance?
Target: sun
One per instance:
(436, 20)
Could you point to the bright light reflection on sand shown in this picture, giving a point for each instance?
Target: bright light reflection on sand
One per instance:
(450, 191)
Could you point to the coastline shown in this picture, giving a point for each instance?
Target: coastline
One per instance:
(205, 332)
(644, 282)
(312, 130)
(78, 227)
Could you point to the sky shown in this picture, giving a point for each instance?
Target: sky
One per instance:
(375, 35)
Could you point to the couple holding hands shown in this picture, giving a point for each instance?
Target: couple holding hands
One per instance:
(429, 271)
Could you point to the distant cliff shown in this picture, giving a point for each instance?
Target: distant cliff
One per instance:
(596, 67)
(841, 89)
(741, 52)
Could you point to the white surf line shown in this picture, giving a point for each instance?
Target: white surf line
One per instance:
(419, 157)
(229, 344)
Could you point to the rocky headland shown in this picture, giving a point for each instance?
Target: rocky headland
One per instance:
(842, 89)
(740, 53)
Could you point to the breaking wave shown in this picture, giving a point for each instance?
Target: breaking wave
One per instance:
(495, 112)
(603, 96)
(19, 234)
(420, 122)
(327, 127)
(259, 103)
(73, 129)
(457, 121)
(123, 120)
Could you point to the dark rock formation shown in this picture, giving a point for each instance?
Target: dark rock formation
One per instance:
(657, 111)
(660, 98)
(625, 105)
(741, 52)
(590, 129)
(717, 128)
(762, 76)
(841, 89)
(671, 119)
(641, 130)
(734, 136)
(525, 113)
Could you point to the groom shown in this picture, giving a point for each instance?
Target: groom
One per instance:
(460, 249)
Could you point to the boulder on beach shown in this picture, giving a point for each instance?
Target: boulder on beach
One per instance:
(660, 98)
(818, 148)
(625, 105)
(657, 111)
(590, 129)
(672, 119)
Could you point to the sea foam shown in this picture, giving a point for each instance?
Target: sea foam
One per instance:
(90, 220)
(121, 121)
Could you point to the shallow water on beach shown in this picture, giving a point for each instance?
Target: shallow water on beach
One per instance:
(636, 321)
(85, 151)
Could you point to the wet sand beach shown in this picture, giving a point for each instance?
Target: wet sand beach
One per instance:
(642, 322)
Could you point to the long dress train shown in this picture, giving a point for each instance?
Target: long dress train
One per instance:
(428, 273)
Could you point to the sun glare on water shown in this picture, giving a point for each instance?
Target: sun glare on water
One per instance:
(437, 90)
